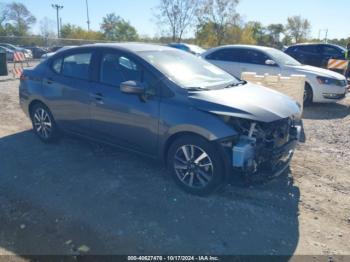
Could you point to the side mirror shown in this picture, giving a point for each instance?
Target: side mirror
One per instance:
(270, 62)
(132, 87)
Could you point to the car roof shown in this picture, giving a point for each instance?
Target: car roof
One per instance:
(305, 44)
(317, 44)
(132, 46)
(4, 47)
(253, 47)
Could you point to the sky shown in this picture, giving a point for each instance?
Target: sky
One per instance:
(323, 14)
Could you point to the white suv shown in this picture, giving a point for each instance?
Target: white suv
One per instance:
(321, 85)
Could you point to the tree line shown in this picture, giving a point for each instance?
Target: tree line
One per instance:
(207, 23)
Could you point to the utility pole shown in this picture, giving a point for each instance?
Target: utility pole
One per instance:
(326, 34)
(87, 14)
(58, 8)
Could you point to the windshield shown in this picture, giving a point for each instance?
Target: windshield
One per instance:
(343, 49)
(282, 58)
(187, 70)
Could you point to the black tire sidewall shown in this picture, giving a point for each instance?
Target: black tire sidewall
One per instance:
(309, 94)
(54, 135)
(213, 153)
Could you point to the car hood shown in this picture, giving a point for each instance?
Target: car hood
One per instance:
(306, 69)
(247, 101)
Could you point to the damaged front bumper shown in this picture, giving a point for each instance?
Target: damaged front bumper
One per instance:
(256, 163)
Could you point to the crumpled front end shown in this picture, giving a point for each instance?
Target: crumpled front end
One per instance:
(262, 149)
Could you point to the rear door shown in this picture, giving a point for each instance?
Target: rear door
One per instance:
(67, 89)
(127, 120)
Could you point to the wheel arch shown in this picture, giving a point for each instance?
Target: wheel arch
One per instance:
(33, 103)
(171, 140)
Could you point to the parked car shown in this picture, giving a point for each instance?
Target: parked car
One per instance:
(37, 51)
(193, 49)
(204, 123)
(321, 85)
(316, 54)
(47, 55)
(27, 53)
(9, 53)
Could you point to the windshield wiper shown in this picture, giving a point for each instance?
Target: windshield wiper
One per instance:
(196, 88)
(242, 82)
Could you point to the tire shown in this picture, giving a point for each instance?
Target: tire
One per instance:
(44, 125)
(308, 95)
(195, 165)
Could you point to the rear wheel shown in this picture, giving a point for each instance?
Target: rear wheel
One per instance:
(308, 95)
(43, 123)
(195, 165)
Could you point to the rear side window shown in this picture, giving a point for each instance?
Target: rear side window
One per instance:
(77, 66)
(57, 65)
(330, 51)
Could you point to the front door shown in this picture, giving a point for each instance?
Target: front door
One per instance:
(127, 120)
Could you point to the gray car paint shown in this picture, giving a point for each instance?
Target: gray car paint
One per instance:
(248, 101)
(147, 126)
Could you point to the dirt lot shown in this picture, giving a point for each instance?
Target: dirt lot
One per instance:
(79, 197)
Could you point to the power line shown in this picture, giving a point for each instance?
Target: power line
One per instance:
(58, 8)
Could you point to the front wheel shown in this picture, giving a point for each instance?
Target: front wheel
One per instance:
(308, 95)
(195, 165)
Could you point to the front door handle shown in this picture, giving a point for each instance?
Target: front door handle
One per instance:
(97, 96)
(49, 81)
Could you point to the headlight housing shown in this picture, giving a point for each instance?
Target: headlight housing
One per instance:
(330, 81)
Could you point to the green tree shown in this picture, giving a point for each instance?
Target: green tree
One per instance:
(298, 28)
(117, 29)
(20, 17)
(247, 36)
(260, 33)
(205, 36)
(275, 31)
(220, 15)
(76, 32)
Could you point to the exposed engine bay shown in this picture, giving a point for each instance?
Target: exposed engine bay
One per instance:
(263, 146)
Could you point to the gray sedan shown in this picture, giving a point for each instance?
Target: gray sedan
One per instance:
(206, 125)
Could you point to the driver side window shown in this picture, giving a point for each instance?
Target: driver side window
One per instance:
(254, 57)
(117, 68)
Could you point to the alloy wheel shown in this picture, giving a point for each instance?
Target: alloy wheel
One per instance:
(42, 123)
(193, 166)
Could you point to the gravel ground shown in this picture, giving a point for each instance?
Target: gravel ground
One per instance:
(78, 197)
